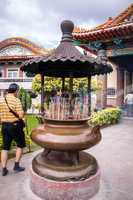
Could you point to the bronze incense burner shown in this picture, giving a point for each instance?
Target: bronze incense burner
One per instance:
(65, 136)
(63, 142)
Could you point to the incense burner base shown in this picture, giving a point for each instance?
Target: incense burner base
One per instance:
(48, 189)
(59, 166)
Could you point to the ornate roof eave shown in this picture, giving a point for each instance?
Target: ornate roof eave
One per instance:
(120, 19)
(25, 43)
(105, 33)
(66, 60)
(15, 59)
(122, 16)
(85, 30)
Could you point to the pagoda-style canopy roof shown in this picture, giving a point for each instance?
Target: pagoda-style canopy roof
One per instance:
(119, 26)
(66, 60)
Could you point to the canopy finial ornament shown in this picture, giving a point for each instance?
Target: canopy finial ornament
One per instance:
(67, 27)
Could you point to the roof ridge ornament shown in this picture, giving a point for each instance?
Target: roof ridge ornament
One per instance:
(67, 28)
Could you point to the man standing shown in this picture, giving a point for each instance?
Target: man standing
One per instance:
(129, 104)
(11, 130)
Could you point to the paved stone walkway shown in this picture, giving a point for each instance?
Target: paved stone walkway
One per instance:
(114, 154)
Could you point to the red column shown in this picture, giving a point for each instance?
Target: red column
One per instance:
(102, 95)
(104, 91)
(120, 87)
(89, 95)
(42, 94)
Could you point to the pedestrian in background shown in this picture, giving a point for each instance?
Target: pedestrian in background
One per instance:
(129, 104)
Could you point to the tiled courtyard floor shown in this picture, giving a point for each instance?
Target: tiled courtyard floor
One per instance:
(114, 154)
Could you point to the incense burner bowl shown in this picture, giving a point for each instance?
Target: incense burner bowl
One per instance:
(66, 135)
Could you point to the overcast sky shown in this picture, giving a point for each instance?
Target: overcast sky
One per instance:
(39, 20)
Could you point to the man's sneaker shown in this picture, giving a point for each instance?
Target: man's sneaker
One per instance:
(4, 171)
(18, 169)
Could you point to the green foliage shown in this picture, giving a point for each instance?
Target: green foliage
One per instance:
(105, 117)
(50, 83)
(31, 123)
(25, 99)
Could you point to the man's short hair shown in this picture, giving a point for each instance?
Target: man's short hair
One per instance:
(13, 87)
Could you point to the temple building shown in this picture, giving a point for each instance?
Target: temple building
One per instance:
(13, 52)
(115, 37)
